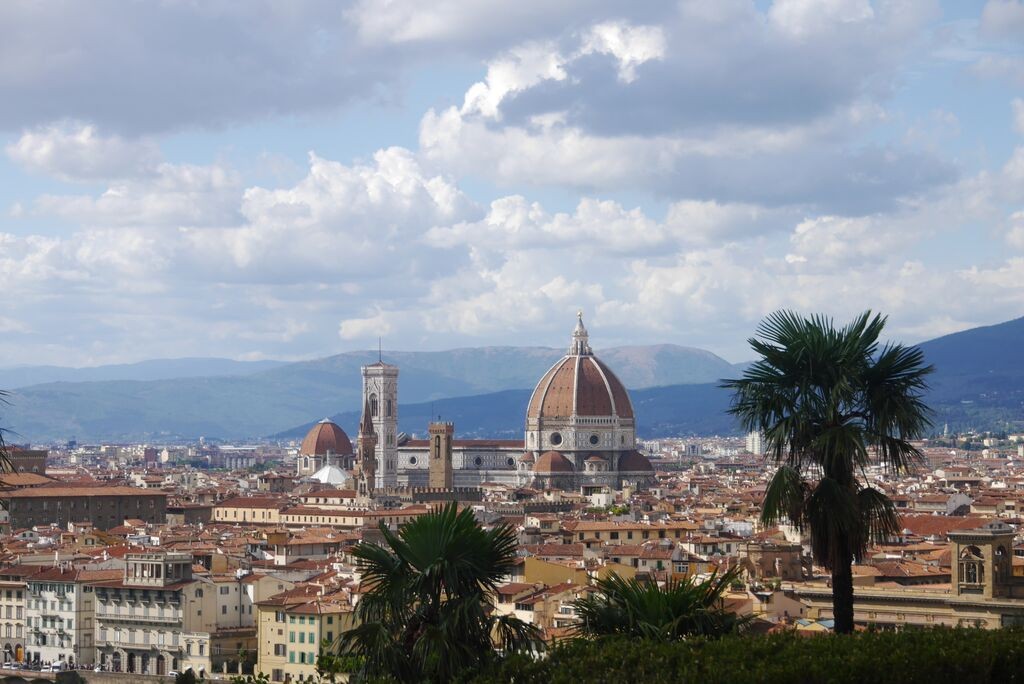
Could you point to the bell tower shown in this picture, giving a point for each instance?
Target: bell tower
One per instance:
(440, 435)
(983, 561)
(366, 453)
(380, 396)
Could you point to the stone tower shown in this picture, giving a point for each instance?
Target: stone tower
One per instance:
(366, 454)
(380, 394)
(983, 561)
(440, 435)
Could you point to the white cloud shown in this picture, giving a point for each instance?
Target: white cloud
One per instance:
(76, 151)
(467, 23)
(173, 195)
(802, 17)
(1018, 114)
(1003, 19)
(630, 45)
(521, 67)
(1015, 231)
(366, 328)
(827, 241)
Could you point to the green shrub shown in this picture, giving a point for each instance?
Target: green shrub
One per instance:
(934, 656)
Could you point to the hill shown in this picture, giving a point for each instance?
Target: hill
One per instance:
(157, 369)
(267, 401)
(661, 412)
(979, 383)
(979, 378)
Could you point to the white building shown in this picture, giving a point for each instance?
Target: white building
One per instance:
(755, 443)
(59, 615)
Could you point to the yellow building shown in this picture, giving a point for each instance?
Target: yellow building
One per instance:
(258, 510)
(304, 516)
(292, 627)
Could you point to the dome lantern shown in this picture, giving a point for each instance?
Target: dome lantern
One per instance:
(580, 345)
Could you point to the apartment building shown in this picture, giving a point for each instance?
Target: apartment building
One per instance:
(59, 615)
(292, 627)
(156, 617)
(103, 507)
(12, 619)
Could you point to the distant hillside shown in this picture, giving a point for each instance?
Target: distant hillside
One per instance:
(159, 369)
(661, 411)
(255, 404)
(979, 377)
(979, 383)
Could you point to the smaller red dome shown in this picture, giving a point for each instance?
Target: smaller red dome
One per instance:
(553, 462)
(527, 458)
(634, 462)
(326, 437)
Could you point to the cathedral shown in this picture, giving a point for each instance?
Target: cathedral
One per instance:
(580, 435)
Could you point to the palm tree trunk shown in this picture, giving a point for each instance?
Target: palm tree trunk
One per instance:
(842, 593)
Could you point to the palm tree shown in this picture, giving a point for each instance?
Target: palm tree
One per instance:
(629, 607)
(428, 613)
(831, 402)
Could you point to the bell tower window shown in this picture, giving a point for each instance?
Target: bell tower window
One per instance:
(373, 405)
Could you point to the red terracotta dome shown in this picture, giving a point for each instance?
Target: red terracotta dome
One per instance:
(579, 385)
(326, 437)
(527, 458)
(634, 462)
(553, 462)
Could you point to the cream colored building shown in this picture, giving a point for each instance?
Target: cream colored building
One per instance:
(12, 620)
(157, 617)
(258, 510)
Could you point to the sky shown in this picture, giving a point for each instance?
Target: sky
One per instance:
(294, 179)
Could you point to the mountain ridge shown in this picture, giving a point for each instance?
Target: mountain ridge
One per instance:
(979, 383)
(266, 401)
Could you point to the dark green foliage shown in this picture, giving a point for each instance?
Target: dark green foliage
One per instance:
(427, 614)
(645, 610)
(830, 402)
(186, 677)
(909, 657)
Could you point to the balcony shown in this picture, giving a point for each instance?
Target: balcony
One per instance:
(139, 617)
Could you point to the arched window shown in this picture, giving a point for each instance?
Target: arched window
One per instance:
(437, 446)
(387, 405)
(373, 405)
(972, 570)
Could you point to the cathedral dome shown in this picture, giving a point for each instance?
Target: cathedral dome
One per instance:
(552, 462)
(326, 438)
(579, 385)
